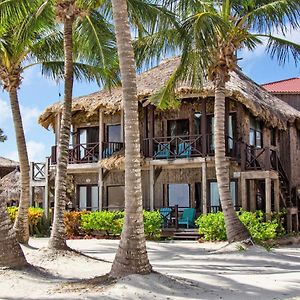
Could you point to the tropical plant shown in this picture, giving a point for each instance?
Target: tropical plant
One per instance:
(97, 47)
(210, 35)
(21, 34)
(3, 137)
(131, 256)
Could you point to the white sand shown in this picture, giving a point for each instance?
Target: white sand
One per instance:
(188, 270)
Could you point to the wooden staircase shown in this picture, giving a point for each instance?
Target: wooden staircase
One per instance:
(190, 234)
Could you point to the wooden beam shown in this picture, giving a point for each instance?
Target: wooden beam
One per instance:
(151, 182)
(204, 127)
(253, 191)
(268, 183)
(101, 133)
(46, 190)
(276, 195)
(204, 188)
(244, 192)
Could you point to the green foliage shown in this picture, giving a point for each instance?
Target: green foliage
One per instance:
(152, 223)
(72, 223)
(38, 226)
(3, 137)
(110, 222)
(212, 226)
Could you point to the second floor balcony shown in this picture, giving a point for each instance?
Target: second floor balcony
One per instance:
(88, 153)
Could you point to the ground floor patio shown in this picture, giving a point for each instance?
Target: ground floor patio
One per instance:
(188, 270)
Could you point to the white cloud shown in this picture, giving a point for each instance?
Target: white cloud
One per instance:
(37, 152)
(246, 55)
(29, 115)
(4, 112)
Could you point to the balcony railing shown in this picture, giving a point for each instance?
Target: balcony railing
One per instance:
(87, 153)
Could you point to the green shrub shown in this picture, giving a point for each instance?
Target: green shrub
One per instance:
(212, 226)
(152, 223)
(110, 222)
(37, 224)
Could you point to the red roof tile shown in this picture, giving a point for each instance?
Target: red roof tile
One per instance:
(291, 86)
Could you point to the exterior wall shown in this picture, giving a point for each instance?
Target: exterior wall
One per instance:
(292, 99)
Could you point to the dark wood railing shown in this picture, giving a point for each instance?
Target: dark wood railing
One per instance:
(87, 153)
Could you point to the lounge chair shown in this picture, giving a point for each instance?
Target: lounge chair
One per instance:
(184, 150)
(166, 213)
(163, 151)
(188, 218)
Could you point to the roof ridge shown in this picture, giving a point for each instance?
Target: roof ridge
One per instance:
(278, 81)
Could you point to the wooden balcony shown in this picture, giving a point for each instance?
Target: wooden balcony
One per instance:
(88, 153)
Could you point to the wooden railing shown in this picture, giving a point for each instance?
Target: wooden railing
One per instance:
(38, 171)
(88, 153)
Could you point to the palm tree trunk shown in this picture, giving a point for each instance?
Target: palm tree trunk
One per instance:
(131, 257)
(235, 229)
(11, 254)
(58, 237)
(21, 224)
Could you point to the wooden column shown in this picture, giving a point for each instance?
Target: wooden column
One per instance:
(244, 192)
(276, 195)
(122, 125)
(100, 175)
(268, 183)
(151, 131)
(204, 127)
(204, 188)
(151, 183)
(46, 191)
(253, 191)
(57, 127)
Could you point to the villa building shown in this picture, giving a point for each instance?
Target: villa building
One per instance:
(177, 147)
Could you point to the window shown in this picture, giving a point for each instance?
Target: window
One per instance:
(231, 131)
(88, 138)
(179, 194)
(273, 133)
(178, 127)
(210, 130)
(214, 196)
(197, 123)
(88, 135)
(255, 134)
(115, 197)
(114, 134)
(88, 197)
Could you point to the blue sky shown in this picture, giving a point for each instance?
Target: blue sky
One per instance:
(37, 93)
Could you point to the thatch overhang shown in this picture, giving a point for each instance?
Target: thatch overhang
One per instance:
(273, 111)
(8, 163)
(10, 188)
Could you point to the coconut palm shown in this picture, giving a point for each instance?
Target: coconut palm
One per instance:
(131, 256)
(3, 137)
(211, 34)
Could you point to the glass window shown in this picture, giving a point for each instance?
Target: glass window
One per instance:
(231, 130)
(197, 123)
(179, 194)
(255, 134)
(215, 196)
(114, 133)
(82, 197)
(178, 127)
(95, 198)
(115, 197)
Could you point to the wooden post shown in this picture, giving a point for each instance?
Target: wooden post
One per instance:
(268, 159)
(122, 125)
(204, 127)
(151, 131)
(100, 175)
(151, 182)
(268, 182)
(253, 191)
(46, 191)
(204, 188)
(276, 195)
(244, 192)
(243, 156)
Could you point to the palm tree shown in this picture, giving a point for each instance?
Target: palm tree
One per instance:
(20, 36)
(131, 256)
(211, 34)
(3, 137)
(94, 34)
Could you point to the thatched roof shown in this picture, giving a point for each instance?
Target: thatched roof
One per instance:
(114, 162)
(10, 188)
(8, 163)
(269, 108)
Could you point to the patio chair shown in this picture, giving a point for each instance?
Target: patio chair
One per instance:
(163, 151)
(184, 150)
(188, 218)
(166, 213)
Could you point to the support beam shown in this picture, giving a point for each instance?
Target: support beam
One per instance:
(100, 173)
(204, 188)
(100, 187)
(46, 191)
(253, 191)
(151, 182)
(244, 192)
(276, 195)
(268, 183)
